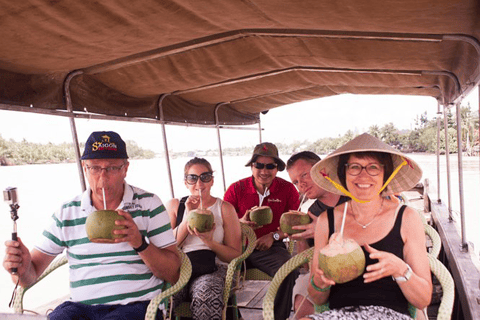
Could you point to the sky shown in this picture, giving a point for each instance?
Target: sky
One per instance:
(305, 121)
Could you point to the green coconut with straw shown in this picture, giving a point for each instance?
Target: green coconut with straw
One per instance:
(100, 225)
(200, 218)
(261, 215)
(341, 260)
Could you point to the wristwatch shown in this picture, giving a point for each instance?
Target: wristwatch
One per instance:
(276, 236)
(143, 246)
(406, 276)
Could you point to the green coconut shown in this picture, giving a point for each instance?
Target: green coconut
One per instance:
(342, 260)
(100, 225)
(202, 219)
(293, 218)
(261, 215)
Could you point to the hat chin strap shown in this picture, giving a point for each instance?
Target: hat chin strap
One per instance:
(348, 194)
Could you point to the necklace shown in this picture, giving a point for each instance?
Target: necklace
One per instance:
(364, 226)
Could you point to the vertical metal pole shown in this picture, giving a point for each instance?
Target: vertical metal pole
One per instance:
(460, 176)
(260, 129)
(447, 157)
(439, 199)
(220, 151)
(73, 128)
(165, 145)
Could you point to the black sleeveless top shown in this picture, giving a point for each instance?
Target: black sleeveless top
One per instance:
(384, 292)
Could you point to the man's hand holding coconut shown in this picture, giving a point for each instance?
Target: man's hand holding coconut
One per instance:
(129, 233)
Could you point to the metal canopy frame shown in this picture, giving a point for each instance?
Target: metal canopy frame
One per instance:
(219, 38)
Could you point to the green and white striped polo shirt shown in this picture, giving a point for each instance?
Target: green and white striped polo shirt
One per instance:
(108, 273)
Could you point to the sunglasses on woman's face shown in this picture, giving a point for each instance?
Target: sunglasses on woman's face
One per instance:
(204, 177)
(268, 166)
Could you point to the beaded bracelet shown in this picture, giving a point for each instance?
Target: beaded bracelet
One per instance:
(317, 288)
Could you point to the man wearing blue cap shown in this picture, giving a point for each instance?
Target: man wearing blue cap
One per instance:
(107, 280)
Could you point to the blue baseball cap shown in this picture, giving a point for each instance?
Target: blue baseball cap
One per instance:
(104, 145)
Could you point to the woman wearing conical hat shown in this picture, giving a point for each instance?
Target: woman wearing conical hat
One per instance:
(391, 235)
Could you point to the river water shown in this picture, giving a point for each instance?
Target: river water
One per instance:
(42, 188)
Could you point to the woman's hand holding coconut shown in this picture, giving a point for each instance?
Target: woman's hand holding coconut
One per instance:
(194, 203)
(206, 236)
(321, 280)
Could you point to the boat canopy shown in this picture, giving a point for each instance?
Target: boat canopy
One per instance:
(224, 62)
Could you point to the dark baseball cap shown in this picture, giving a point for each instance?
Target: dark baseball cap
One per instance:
(104, 145)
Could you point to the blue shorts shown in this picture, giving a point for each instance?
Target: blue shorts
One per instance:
(79, 311)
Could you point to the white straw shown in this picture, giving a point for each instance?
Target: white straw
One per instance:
(201, 202)
(263, 197)
(343, 219)
(104, 200)
(301, 202)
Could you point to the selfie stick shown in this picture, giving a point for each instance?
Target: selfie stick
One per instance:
(14, 216)
(10, 196)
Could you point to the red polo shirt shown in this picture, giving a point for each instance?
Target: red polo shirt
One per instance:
(283, 197)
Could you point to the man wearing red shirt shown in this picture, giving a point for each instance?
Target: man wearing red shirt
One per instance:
(264, 188)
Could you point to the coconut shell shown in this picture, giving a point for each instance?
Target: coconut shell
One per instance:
(342, 260)
(100, 225)
(202, 219)
(261, 215)
(293, 218)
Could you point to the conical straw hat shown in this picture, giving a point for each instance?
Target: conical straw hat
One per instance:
(405, 179)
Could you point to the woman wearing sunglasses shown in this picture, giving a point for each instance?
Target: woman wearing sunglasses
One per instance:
(223, 242)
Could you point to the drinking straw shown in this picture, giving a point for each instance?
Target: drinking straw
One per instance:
(104, 201)
(201, 202)
(263, 197)
(343, 219)
(301, 202)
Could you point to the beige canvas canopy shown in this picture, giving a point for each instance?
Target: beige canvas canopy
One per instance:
(120, 58)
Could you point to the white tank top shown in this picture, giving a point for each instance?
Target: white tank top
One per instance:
(193, 243)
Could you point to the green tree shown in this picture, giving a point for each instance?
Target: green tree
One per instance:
(374, 131)
(389, 134)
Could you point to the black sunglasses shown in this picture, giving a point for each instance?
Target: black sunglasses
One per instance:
(204, 177)
(268, 166)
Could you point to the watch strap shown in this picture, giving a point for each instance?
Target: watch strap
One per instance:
(405, 277)
(143, 246)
